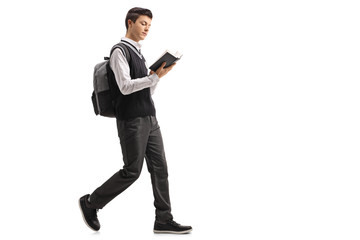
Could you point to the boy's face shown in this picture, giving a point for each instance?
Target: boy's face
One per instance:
(138, 31)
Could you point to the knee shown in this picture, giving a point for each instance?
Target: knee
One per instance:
(133, 174)
(160, 173)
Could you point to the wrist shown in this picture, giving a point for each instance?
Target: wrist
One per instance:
(154, 77)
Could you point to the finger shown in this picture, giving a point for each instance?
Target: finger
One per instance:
(163, 64)
(172, 65)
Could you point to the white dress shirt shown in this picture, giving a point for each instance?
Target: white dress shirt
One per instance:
(121, 69)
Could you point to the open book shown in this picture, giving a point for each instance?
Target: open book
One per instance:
(167, 57)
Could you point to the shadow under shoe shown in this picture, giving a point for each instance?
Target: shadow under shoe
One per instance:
(89, 214)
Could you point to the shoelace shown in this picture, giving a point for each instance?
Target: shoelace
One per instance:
(172, 222)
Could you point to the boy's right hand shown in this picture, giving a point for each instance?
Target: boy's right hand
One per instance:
(161, 71)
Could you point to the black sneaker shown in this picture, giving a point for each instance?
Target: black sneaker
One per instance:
(89, 214)
(171, 227)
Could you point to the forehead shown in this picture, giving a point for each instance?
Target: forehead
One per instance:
(144, 18)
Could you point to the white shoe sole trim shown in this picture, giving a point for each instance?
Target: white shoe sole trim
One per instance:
(175, 232)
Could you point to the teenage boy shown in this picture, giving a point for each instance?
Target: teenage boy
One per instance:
(138, 129)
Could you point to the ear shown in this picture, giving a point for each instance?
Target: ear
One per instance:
(130, 22)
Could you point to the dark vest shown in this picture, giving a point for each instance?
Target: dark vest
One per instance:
(136, 104)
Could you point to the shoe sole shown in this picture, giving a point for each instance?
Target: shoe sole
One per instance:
(172, 232)
(82, 214)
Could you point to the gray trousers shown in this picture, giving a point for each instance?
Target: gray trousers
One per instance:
(139, 138)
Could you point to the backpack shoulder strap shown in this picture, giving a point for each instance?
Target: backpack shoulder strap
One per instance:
(124, 50)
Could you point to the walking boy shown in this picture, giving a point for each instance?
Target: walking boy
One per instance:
(138, 129)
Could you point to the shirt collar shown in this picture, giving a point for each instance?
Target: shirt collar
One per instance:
(132, 42)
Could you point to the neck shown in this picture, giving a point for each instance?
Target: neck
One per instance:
(128, 35)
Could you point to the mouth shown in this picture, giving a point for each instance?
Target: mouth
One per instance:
(144, 33)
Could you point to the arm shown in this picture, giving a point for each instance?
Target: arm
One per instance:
(152, 89)
(121, 69)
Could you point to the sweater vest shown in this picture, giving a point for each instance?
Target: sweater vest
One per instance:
(136, 104)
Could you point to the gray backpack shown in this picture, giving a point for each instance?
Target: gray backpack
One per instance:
(103, 96)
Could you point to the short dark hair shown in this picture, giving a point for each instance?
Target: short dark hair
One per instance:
(134, 13)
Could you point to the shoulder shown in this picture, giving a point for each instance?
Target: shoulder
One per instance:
(118, 53)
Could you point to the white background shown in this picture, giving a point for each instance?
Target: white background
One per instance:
(260, 119)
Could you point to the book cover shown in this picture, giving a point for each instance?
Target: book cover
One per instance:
(167, 57)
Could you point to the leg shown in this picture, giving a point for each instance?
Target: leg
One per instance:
(133, 136)
(157, 166)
